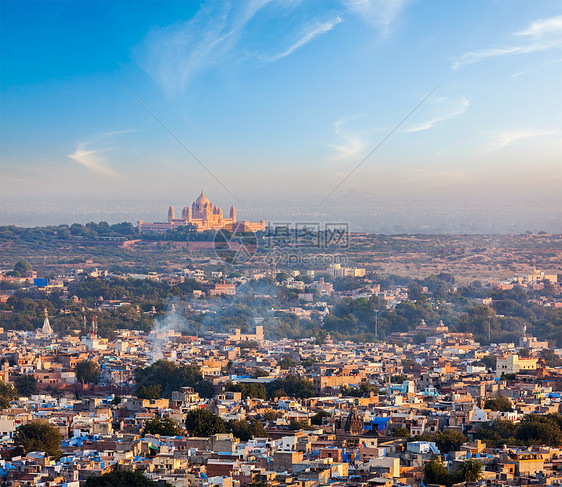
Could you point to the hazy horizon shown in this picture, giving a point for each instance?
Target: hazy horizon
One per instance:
(281, 101)
(362, 214)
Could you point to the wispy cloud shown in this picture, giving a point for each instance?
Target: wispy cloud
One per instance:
(229, 32)
(308, 35)
(474, 57)
(539, 28)
(540, 35)
(94, 158)
(380, 13)
(112, 133)
(519, 73)
(350, 141)
(174, 55)
(445, 108)
(91, 159)
(545, 64)
(506, 138)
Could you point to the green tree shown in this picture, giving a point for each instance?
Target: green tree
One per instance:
(489, 361)
(318, 418)
(292, 386)
(202, 423)
(496, 433)
(22, 267)
(537, 429)
(170, 377)
(508, 377)
(435, 472)
(162, 426)
(26, 385)
(409, 365)
(422, 437)
(153, 391)
(286, 363)
(87, 371)
(244, 430)
(551, 358)
(469, 471)
(259, 372)
(450, 440)
(364, 390)
(525, 353)
(260, 483)
(39, 435)
(122, 478)
(502, 404)
(534, 429)
(241, 429)
(272, 415)
(298, 425)
(7, 394)
(204, 388)
(247, 389)
(401, 432)
(282, 276)
(308, 361)
(415, 291)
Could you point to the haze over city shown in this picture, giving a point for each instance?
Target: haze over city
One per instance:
(281, 100)
(280, 243)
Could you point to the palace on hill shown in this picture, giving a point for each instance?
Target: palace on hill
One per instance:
(204, 215)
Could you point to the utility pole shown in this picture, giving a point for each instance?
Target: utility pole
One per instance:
(376, 324)
(489, 328)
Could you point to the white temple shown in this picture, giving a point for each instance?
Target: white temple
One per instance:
(46, 330)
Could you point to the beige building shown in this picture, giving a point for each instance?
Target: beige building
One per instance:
(387, 467)
(531, 342)
(337, 270)
(526, 463)
(513, 364)
(204, 215)
(535, 277)
(323, 383)
(257, 336)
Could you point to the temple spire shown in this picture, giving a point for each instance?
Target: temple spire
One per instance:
(46, 330)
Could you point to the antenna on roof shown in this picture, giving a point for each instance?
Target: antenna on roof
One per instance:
(94, 327)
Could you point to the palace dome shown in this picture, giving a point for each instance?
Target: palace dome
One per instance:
(202, 200)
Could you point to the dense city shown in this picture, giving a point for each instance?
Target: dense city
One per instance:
(280, 243)
(267, 377)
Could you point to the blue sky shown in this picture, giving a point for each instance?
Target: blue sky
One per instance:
(281, 99)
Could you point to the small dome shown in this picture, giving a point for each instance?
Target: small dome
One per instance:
(202, 200)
